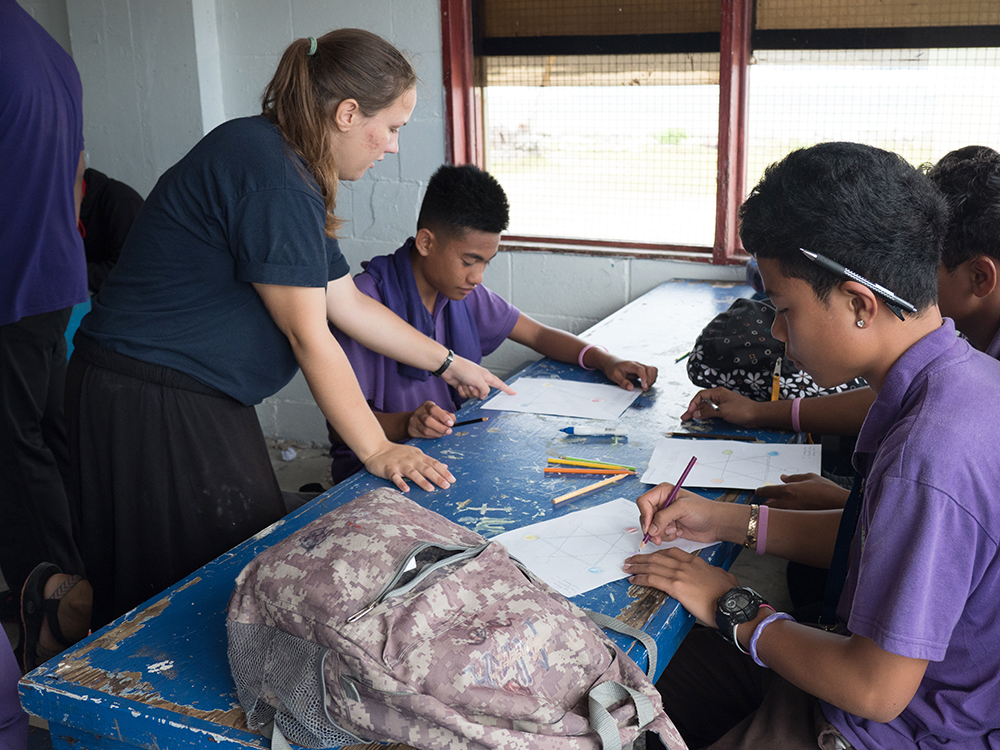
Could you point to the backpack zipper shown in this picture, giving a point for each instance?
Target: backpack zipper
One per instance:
(387, 590)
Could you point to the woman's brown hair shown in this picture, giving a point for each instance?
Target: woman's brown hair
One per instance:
(306, 89)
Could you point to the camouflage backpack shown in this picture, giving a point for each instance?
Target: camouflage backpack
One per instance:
(385, 621)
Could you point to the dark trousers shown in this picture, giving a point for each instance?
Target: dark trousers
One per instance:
(166, 475)
(720, 699)
(34, 514)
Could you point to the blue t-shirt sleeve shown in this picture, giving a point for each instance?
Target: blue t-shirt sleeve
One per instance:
(278, 237)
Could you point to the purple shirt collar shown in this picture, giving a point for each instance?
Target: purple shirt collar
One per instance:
(894, 395)
(393, 276)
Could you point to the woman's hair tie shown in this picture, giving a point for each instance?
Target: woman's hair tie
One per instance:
(312, 46)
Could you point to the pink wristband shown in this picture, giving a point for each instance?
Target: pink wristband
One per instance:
(760, 629)
(583, 351)
(761, 529)
(796, 403)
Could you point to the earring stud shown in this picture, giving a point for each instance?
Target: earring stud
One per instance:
(861, 324)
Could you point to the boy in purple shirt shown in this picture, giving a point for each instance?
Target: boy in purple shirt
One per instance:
(917, 665)
(434, 282)
(968, 292)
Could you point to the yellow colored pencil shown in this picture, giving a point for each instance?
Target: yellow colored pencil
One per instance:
(582, 462)
(776, 380)
(588, 488)
(554, 470)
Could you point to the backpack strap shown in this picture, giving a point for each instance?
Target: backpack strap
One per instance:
(607, 694)
(278, 741)
(613, 623)
(837, 574)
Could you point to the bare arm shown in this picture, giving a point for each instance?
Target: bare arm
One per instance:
(375, 326)
(300, 314)
(837, 414)
(565, 347)
(852, 673)
(427, 421)
(805, 536)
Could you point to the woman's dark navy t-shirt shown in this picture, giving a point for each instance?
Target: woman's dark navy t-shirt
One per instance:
(239, 209)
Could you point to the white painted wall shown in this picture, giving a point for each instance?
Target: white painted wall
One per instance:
(159, 74)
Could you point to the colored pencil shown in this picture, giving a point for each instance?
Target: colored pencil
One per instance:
(588, 488)
(553, 470)
(673, 494)
(713, 436)
(569, 460)
(470, 421)
(776, 380)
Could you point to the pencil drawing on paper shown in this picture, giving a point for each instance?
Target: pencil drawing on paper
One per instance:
(580, 551)
(728, 464)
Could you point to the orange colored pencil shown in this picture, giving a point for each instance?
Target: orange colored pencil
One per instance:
(588, 488)
(549, 470)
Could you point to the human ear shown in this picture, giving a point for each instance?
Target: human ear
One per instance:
(346, 115)
(424, 241)
(984, 275)
(863, 302)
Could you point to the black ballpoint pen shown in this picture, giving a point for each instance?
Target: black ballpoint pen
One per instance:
(894, 303)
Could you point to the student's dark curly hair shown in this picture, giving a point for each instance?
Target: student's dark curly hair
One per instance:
(864, 207)
(462, 198)
(969, 179)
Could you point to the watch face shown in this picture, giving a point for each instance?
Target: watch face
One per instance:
(736, 600)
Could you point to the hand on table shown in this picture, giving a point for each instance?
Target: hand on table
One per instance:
(623, 371)
(804, 492)
(397, 463)
(734, 408)
(696, 584)
(429, 421)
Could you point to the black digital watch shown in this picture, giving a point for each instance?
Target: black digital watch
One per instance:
(737, 606)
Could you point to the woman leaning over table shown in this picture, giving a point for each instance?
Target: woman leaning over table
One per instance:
(224, 289)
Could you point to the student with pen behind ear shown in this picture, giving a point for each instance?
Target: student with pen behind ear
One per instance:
(913, 663)
(968, 292)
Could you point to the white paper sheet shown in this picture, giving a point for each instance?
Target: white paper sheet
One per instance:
(565, 398)
(729, 464)
(580, 551)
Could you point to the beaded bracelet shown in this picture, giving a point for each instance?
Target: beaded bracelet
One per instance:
(583, 351)
(760, 629)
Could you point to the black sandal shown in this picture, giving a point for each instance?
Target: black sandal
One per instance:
(35, 609)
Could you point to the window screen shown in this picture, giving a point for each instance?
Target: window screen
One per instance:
(619, 148)
(920, 103)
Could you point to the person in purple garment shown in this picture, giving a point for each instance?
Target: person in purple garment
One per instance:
(914, 664)
(43, 274)
(434, 282)
(968, 292)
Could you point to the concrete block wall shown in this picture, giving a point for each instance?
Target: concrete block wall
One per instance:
(159, 74)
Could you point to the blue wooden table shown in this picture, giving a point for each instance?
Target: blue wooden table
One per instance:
(159, 677)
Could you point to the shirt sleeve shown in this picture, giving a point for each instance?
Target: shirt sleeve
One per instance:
(495, 317)
(278, 237)
(914, 576)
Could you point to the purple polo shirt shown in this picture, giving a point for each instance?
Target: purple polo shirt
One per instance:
(924, 580)
(387, 391)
